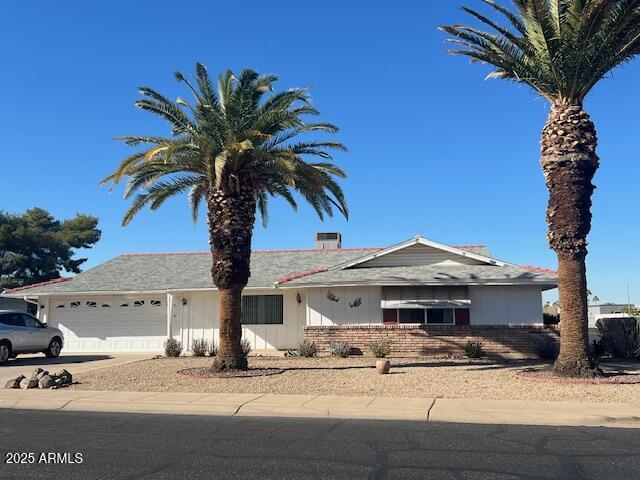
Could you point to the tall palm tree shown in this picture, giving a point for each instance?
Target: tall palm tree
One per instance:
(561, 49)
(233, 147)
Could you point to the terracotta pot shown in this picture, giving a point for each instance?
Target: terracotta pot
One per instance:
(382, 366)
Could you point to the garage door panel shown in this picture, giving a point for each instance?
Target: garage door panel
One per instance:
(136, 324)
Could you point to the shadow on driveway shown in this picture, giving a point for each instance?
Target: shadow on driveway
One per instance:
(66, 359)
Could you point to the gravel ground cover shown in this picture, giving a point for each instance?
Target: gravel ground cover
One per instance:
(446, 378)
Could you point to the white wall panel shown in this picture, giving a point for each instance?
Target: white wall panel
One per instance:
(199, 319)
(514, 305)
(350, 305)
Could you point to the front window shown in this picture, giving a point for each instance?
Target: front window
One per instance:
(411, 315)
(262, 310)
(429, 316)
(440, 316)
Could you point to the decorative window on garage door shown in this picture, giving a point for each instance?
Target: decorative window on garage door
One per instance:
(262, 310)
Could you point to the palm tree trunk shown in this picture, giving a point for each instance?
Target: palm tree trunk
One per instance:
(569, 162)
(231, 216)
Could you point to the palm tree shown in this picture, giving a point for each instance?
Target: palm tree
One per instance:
(561, 49)
(233, 147)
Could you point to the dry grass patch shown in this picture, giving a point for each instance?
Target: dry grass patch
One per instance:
(447, 378)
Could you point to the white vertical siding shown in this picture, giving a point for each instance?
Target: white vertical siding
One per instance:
(418, 255)
(322, 311)
(199, 319)
(513, 305)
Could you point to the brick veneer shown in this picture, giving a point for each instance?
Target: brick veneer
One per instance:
(433, 340)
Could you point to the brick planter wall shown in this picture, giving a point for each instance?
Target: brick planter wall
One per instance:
(434, 340)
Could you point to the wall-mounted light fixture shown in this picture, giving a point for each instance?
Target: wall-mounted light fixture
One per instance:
(184, 301)
(298, 298)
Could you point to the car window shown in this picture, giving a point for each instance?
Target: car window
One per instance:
(29, 321)
(12, 319)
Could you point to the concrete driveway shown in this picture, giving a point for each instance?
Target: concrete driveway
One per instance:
(74, 363)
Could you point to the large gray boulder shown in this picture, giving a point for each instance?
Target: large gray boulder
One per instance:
(26, 383)
(46, 381)
(14, 382)
(65, 377)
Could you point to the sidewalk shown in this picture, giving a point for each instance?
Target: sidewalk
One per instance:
(516, 412)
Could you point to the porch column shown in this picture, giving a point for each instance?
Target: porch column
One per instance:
(169, 313)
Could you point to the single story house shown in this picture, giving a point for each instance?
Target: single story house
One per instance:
(607, 310)
(426, 297)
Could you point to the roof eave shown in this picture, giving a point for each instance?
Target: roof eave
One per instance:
(384, 283)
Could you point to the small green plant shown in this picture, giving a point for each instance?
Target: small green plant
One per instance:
(213, 349)
(380, 348)
(199, 347)
(172, 347)
(547, 348)
(246, 347)
(340, 349)
(307, 349)
(473, 349)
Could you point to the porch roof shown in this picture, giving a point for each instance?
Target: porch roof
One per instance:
(440, 274)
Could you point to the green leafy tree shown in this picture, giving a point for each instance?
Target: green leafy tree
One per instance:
(35, 247)
(561, 49)
(232, 147)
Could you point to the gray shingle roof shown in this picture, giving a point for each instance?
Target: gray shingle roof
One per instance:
(428, 274)
(156, 272)
(189, 271)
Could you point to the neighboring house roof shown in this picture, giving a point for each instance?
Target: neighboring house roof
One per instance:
(441, 274)
(289, 268)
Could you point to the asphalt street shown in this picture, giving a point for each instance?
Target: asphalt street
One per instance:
(127, 446)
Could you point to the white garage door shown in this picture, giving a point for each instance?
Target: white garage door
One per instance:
(111, 324)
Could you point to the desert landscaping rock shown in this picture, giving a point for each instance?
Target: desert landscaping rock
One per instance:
(429, 378)
(65, 377)
(27, 383)
(46, 382)
(14, 382)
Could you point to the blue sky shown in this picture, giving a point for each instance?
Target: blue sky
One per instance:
(434, 149)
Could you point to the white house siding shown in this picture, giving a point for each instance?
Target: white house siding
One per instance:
(417, 255)
(354, 305)
(198, 318)
(513, 305)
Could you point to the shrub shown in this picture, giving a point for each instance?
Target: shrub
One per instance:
(340, 349)
(307, 349)
(547, 348)
(380, 348)
(246, 347)
(213, 349)
(172, 347)
(620, 337)
(199, 347)
(473, 349)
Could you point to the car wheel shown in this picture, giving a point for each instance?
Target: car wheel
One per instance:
(54, 349)
(5, 352)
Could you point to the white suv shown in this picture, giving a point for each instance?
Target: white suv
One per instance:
(23, 333)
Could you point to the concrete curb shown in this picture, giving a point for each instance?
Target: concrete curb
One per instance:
(514, 412)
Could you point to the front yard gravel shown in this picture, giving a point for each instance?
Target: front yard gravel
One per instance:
(446, 378)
